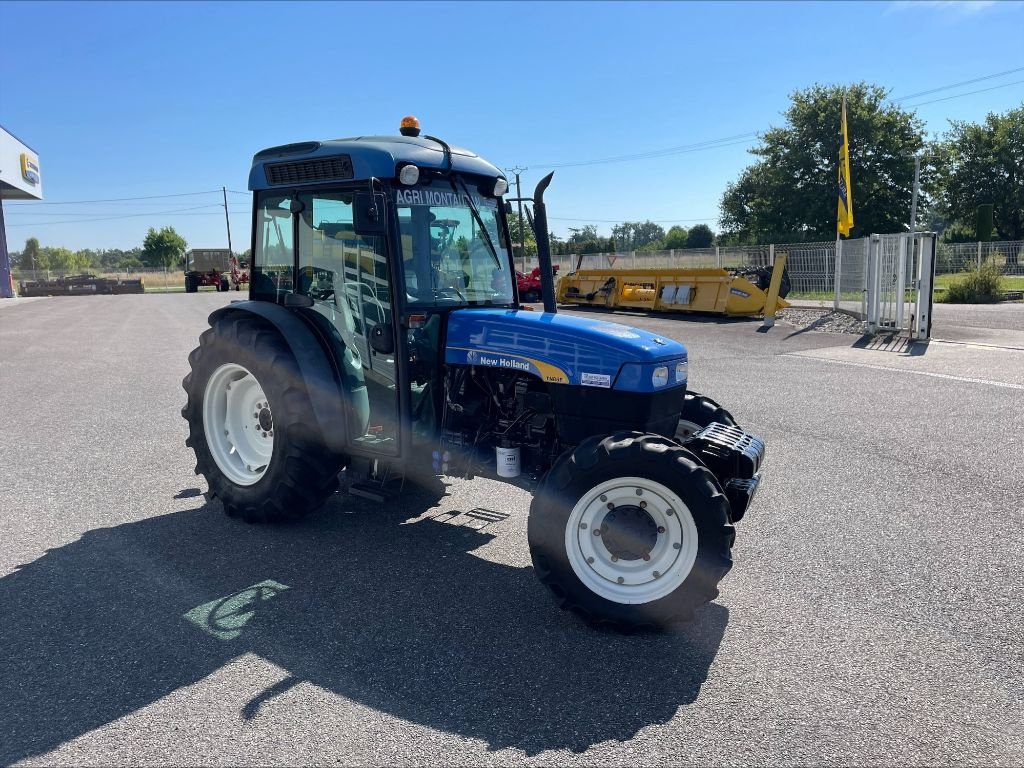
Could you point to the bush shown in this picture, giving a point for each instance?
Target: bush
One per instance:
(976, 286)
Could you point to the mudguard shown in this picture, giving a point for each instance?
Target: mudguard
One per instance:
(329, 399)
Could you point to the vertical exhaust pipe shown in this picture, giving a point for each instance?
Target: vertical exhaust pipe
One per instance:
(540, 228)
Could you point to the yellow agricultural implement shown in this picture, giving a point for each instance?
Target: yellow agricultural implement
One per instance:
(752, 292)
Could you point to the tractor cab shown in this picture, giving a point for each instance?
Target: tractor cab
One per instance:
(375, 240)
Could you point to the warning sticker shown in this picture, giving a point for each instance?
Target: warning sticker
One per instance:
(596, 380)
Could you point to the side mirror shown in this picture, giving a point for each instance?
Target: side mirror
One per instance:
(368, 213)
(382, 338)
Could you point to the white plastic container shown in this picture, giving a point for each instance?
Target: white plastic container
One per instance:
(508, 461)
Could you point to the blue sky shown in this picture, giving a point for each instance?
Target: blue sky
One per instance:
(132, 99)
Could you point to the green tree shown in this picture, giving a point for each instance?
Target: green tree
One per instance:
(790, 192)
(984, 163)
(635, 235)
(585, 240)
(163, 248)
(675, 238)
(30, 256)
(64, 259)
(514, 225)
(700, 236)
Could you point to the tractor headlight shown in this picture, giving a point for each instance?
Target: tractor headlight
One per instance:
(500, 187)
(681, 371)
(409, 175)
(660, 376)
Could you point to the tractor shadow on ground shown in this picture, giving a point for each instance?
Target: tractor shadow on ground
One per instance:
(388, 610)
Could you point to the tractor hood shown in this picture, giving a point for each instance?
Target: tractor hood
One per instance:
(564, 349)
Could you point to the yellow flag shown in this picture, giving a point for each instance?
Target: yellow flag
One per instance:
(844, 219)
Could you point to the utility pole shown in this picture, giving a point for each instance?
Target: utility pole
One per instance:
(913, 203)
(227, 221)
(519, 203)
(913, 198)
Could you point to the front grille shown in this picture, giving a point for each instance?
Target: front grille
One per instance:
(338, 167)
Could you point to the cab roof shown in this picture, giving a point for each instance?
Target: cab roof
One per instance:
(354, 159)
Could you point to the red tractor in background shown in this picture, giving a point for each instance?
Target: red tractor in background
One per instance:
(239, 272)
(529, 285)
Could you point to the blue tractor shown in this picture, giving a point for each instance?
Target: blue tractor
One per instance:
(383, 336)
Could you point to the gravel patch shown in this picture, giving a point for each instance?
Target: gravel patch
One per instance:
(822, 320)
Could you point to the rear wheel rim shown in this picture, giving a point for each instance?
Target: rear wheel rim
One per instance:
(631, 540)
(238, 423)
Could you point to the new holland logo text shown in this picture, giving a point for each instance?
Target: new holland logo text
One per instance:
(503, 362)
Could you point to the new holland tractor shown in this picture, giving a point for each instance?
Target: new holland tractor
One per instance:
(383, 336)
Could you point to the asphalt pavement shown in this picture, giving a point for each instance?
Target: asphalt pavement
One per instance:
(872, 616)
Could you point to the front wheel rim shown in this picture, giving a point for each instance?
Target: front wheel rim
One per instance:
(631, 540)
(238, 423)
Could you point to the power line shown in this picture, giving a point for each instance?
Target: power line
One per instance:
(620, 221)
(104, 213)
(969, 93)
(116, 199)
(175, 212)
(957, 85)
(727, 141)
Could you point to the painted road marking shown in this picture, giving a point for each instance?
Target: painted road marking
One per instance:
(893, 369)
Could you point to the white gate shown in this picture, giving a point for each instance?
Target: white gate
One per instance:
(901, 271)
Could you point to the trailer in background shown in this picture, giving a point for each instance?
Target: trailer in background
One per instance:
(207, 266)
(80, 285)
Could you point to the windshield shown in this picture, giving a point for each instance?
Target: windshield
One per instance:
(453, 247)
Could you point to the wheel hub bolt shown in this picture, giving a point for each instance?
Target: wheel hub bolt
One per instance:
(643, 505)
(590, 561)
(670, 512)
(656, 574)
(677, 545)
(597, 531)
(610, 505)
(661, 529)
(583, 526)
(639, 491)
(603, 497)
(620, 580)
(647, 557)
(615, 559)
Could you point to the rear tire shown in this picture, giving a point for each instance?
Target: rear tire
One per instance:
(252, 427)
(650, 565)
(700, 412)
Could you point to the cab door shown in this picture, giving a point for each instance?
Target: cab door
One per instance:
(346, 277)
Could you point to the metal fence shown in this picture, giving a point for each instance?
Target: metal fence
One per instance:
(811, 266)
(155, 279)
(959, 257)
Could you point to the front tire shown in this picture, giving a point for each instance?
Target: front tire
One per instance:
(699, 412)
(628, 531)
(252, 427)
